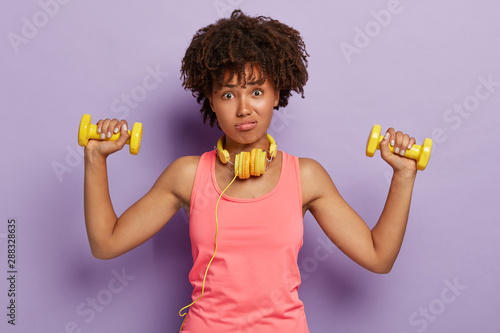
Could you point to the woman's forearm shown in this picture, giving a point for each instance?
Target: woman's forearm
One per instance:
(389, 231)
(100, 217)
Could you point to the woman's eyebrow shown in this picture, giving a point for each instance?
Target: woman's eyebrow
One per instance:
(253, 83)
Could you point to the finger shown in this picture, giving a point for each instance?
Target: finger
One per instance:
(112, 128)
(124, 135)
(117, 126)
(388, 138)
(411, 143)
(386, 141)
(99, 125)
(107, 128)
(398, 142)
(404, 144)
(392, 134)
(104, 128)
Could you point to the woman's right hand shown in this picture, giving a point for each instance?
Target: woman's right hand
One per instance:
(106, 128)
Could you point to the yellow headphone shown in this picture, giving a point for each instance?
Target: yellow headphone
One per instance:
(246, 163)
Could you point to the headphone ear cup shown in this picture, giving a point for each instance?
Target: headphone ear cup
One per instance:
(261, 162)
(242, 164)
(245, 165)
(257, 166)
(253, 162)
(223, 154)
(257, 162)
(237, 163)
(273, 149)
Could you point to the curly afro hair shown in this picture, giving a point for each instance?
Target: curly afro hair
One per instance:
(276, 49)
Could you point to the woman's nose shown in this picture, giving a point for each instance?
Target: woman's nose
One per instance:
(244, 107)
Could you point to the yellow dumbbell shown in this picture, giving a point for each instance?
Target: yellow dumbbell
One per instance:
(88, 131)
(419, 153)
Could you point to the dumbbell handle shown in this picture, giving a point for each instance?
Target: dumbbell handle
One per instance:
(413, 153)
(97, 136)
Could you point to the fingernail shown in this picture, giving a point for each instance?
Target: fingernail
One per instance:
(98, 130)
(396, 150)
(409, 146)
(109, 135)
(125, 127)
(392, 142)
(116, 130)
(402, 152)
(387, 135)
(103, 136)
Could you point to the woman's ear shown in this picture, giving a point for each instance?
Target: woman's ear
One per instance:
(210, 103)
(276, 96)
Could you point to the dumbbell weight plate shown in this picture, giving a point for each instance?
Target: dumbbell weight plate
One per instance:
(425, 154)
(135, 138)
(84, 130)
(373, 140)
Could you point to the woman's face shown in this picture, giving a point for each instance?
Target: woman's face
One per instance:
(245, 113)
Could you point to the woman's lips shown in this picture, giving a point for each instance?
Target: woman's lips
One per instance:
(246, 125)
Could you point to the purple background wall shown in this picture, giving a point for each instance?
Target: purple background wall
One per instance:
(430, 68)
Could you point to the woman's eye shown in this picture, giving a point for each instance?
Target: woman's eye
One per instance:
(227, 96)
(258, 92)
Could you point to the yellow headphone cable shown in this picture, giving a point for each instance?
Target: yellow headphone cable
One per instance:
(213, 256)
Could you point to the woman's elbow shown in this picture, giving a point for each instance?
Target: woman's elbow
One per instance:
(102, 256)
(382, 271)
(378, 266)
(103, 252)
(381, 268)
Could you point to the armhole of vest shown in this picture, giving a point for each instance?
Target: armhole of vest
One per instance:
(196, 182)
(296, 172)
(299, 183)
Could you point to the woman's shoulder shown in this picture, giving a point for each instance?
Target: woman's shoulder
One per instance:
(309, 166)
(180, 171)
(178, 177)
(185, 166)
(312, 172)
(316, 181)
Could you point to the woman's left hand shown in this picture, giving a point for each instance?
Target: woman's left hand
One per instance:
(400, 143)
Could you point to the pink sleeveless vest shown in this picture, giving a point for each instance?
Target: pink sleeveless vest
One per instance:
(252, 284)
